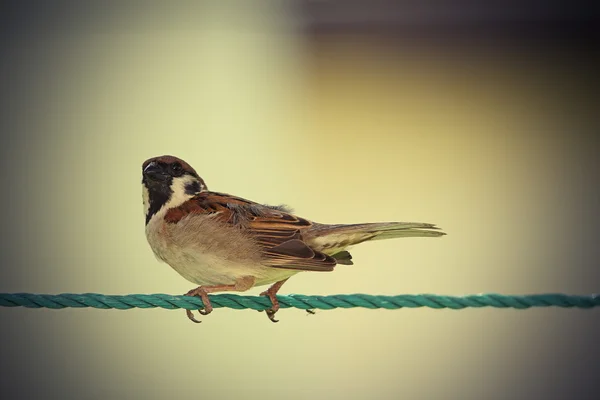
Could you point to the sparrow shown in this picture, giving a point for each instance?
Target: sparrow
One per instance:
(222, 242)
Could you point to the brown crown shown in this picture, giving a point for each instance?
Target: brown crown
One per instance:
(170, 160)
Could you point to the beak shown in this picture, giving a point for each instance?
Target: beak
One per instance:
(154, 172)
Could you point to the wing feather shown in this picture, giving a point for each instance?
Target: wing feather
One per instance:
(277, 232)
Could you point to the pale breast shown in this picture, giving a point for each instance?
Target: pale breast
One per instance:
(208, 252)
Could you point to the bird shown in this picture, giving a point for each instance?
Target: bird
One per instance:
(222, 242)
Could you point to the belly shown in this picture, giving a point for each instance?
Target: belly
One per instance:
(217, 256)
(209, 269)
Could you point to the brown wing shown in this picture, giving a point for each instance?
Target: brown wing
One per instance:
(277, 232)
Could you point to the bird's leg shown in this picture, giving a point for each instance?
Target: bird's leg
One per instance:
(271, 294)
(202, 292)
(241, 285)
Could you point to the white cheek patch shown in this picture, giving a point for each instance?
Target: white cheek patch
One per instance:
(178, 194)
(177, 197)
(146, 198)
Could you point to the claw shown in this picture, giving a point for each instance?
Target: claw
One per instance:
(241, 284)
(199, 292)
(271, 293)
(271, 311)
(271, 315)
(190, 315)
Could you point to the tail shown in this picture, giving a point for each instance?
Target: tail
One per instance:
(390, 230)
(332, 239)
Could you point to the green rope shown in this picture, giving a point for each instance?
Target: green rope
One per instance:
(304, 302)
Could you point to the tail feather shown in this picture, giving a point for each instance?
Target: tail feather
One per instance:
(343, 257)
(389, 230)
(332, 239)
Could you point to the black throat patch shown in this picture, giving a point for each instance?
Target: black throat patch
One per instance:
(158, 195)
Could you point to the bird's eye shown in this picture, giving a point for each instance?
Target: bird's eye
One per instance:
(176, 168)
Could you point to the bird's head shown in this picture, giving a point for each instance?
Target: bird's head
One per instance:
(168, 182)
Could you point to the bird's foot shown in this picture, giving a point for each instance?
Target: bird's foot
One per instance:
(274, 308)
(242, 284)
(203, 294)
(271, 293)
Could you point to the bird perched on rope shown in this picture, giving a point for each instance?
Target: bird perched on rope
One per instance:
(225, 243)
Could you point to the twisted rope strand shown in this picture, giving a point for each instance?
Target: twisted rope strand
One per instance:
(304, 302)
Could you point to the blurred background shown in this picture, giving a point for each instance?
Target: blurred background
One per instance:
(481, 117)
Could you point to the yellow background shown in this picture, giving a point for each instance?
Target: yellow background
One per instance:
(491, 144)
